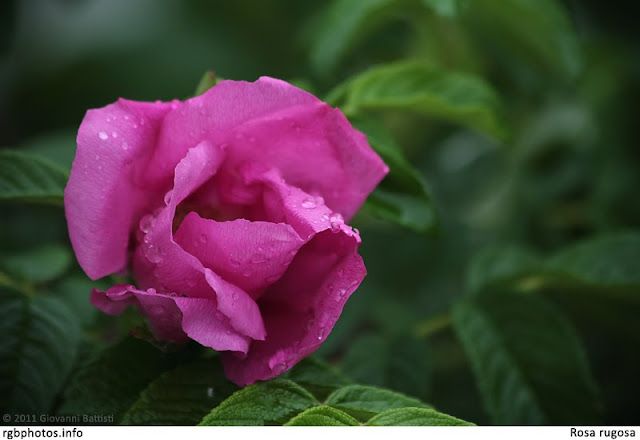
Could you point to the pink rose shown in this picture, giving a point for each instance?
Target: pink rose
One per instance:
(230, 210)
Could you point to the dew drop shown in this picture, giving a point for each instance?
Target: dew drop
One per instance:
(168, 196)
(321, 333)
(203, 238)
(125, 146)
(153, 254)
(308, 204)
(114, 134)
(103, 135)
(258, 258)
(146, 223)
(126, 117)
(336, 221)
(152, 291)
(342, 293)
(234, 296)
(279, 368)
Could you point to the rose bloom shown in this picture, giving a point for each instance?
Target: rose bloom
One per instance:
(229, 209)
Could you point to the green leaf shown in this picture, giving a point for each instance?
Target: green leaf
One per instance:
(75, 290)
(608, 262)
(317, 377)
(111, 382)
(428, 91)
(364, 402)
(322, 416)
(396, 362)
(415, 417)
(446, 8)
(501, 264)
(208, 80)
(538, 30)
(528, 362)
(181, 396)
(265, 403)
(40, 340)
(402, 197)
(37, 265)
(28, 177)
(342, 25)
(607, 265)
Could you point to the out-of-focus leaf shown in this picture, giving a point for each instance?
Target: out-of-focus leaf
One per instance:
(111, 382)
(415, 417)
(322, 416)
(398, 363)
(500, 264)
(402, 197)
(37, 265)
(266, 403)
(528, 362)
(364, 402)
(342, 24)
(317, 376)
(58, 147)
(28, 177)
(426, 90)
(74, 290)
(208, 80)
(181, 396)
(446, 8)
(607, 265)
(538, 29)
(608, 262)
(40, 340)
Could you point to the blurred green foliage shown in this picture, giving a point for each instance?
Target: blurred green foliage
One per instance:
(511, 121)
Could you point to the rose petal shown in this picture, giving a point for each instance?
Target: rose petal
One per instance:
(316, 149)
(162, 263)
(173, 318)
(250, 255)
(301, 309)
(102, 198)
(213, 115)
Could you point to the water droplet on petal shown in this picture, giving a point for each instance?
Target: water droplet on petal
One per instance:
(103, 135)
(234, 296)
(126, 117)
(336, 221)
(203, 238)
(341, 293)
(167, 197)
(146, 223)
(152, 291)
(308, 204)
(114, 134)
(279, 368)
(153, 254)
(125, 146)
(321, 333)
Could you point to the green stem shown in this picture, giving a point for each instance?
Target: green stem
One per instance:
(433, 325)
